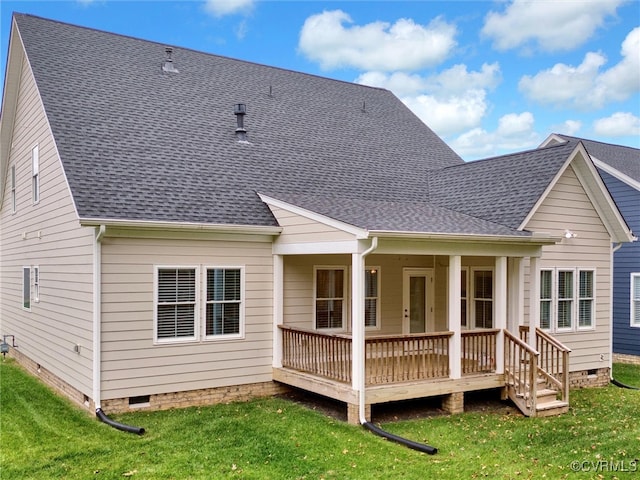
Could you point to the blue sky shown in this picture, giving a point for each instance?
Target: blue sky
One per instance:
(488, 77)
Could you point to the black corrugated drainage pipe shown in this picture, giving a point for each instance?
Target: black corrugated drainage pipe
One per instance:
(421, 447)
(622, 385)
(120, 426)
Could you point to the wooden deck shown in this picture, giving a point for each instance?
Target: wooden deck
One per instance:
(403, 367)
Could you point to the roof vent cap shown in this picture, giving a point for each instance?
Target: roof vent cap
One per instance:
(167, 65)
(240, 110)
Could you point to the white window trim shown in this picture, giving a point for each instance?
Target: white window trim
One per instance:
(228, 336)
(14, 199)
(345, 296)
(575, 310)
(593, 300)
(557, 300)
(633, 303)
(467, 325)
(23, 296)
(377, 326)
(550, 300)
(35, 174)
(35, 292)
(196, 313)
(471, 297)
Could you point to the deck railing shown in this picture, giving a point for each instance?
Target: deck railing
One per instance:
(325, 354)
(479, 351)
(521, 371)
(553, 361)
(388, 358)
(402, 358)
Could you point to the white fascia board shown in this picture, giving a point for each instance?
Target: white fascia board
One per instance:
(605, 167)
(12, 78)
(211, 227)
(600, 197)
(552, 139)
(537, 238)
(357, 232)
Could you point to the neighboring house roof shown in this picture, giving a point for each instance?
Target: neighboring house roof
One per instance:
(621, 161)
(141, 144)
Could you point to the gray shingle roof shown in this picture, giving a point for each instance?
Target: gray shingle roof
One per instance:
(137, 143)
(502, 189)
(624, 159)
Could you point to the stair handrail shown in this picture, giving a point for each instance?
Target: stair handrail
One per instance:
(527, 358)
(563, 351)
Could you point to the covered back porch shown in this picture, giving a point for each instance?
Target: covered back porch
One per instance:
(394, 319)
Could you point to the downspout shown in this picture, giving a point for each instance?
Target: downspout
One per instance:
(97, 341)
(421, 447)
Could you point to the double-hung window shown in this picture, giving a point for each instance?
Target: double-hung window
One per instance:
(635, 300)
(567, 299)
(371, 297)
(224, 301)
(35, 172)
(176, 303)
(330, 304)
(483, 298)
(26, 288)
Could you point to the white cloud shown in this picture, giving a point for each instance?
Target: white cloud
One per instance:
(586, 86)
(515, 132)
(620, 124)
(449, 102)
(568, 127)
(550, 25)
(380, 46)
(220, 8)
(452, 114)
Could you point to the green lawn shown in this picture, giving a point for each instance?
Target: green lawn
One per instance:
(42, 436)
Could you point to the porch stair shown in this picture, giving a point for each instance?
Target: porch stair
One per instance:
(537, 380)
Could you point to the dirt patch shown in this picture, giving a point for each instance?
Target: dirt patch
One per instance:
(484, 401)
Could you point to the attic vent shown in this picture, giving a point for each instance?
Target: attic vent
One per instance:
(167, 65)
(240, 110)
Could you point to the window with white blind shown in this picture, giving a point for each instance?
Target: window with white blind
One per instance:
(371, 297)
(635, 299)
(330, 304)
(223, 316)
(482, 290)
(567, 299)
(176, 303)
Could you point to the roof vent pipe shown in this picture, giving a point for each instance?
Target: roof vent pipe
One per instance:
(240, 110)
(167, 65)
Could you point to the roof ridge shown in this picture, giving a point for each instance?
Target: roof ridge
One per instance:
(582, 139)
(202, 52)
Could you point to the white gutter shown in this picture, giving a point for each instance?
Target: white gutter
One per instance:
(217, 227)
(360, 326)
(536, 237)
(97, 310)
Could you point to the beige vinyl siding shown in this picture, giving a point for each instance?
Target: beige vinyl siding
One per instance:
(132, 364)
(567, 207)
(49, 236)
(299, 229)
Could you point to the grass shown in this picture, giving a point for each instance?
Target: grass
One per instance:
(627, 374)
(42, 436)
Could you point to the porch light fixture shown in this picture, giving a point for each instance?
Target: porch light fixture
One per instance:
(569, 234)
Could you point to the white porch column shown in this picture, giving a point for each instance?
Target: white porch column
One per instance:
(357, 321)
(515, 308)
(278, 299)
(500, 309)
(455, 344)
(534, 299)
